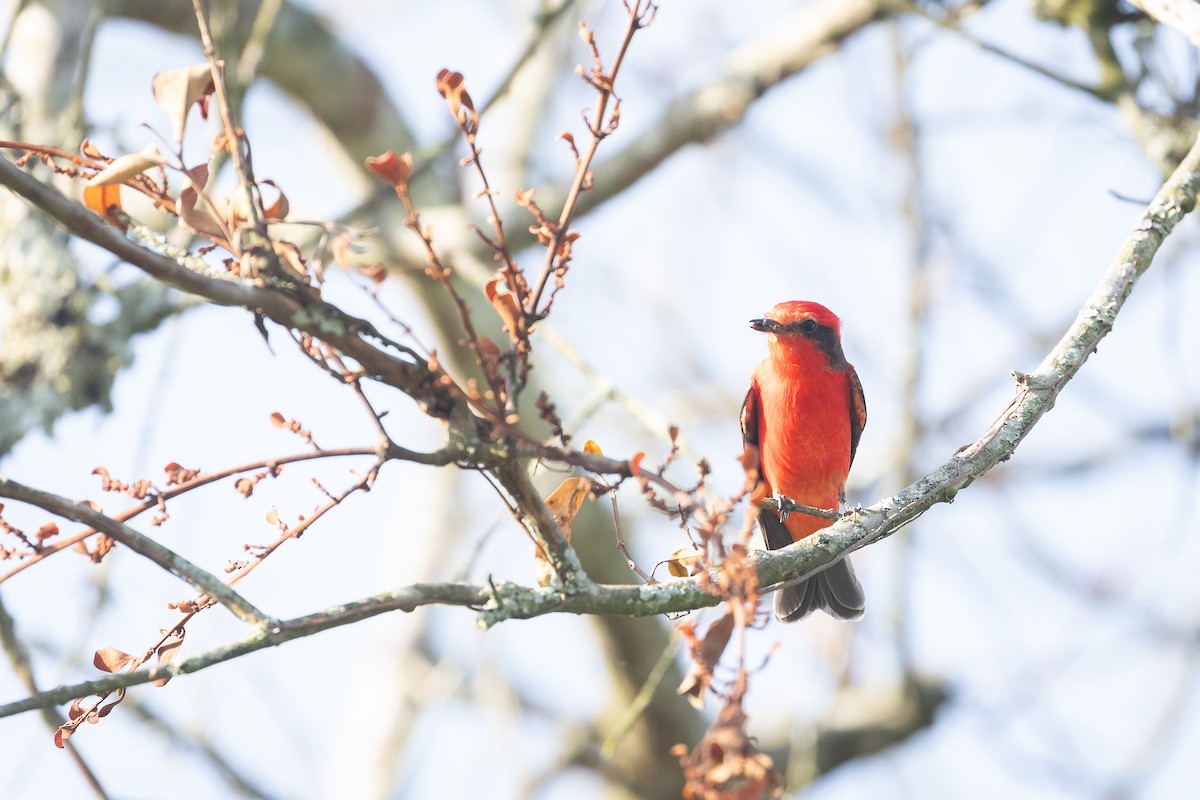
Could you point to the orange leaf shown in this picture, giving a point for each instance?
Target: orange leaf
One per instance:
(635, 463)
(394, 169)
(505, 303)
(592, 449)
(102, 199)
(565, 501)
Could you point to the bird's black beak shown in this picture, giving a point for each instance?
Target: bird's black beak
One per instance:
(764, 325)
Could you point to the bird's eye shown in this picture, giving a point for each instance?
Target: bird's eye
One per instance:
(808, 326)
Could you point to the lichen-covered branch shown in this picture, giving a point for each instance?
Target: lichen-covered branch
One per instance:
(381, 358)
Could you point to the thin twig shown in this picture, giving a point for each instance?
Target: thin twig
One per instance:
(254, 209)
(164, 557)
(272, 465)
(640, 15)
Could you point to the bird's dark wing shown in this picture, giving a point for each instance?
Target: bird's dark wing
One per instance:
(750, 417)
(858, 409)
(775, 533)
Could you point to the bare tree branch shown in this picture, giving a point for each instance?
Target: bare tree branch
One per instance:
(203, 580)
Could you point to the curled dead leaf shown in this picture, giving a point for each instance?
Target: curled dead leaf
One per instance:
(450, 86)
(684, 562)
(277, 209)
(166, 654)
(505, 303)
(177, 90)
(127, 166)
(564, 503)
(204, 217)
(706, 653)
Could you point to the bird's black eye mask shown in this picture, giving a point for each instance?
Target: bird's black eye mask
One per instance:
(822, 336)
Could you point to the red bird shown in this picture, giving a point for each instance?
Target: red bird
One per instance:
(805, 413)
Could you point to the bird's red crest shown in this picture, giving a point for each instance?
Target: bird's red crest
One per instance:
(791, 311)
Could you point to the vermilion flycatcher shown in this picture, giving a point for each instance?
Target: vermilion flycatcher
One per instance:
(805, 413)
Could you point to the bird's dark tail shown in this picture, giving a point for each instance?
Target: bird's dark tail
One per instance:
(835, 590)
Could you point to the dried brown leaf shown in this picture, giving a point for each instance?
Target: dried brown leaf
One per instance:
(450, 86)
(110, 659)
(103, 710)
(166, 654)
(505, 303)
(204, 218)
(278, 209)
(705, 653)
(177, 90)
(564, 503)
(684, 561)
(47, 531)
(177, 474)
(725, 764)
(128, 166)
